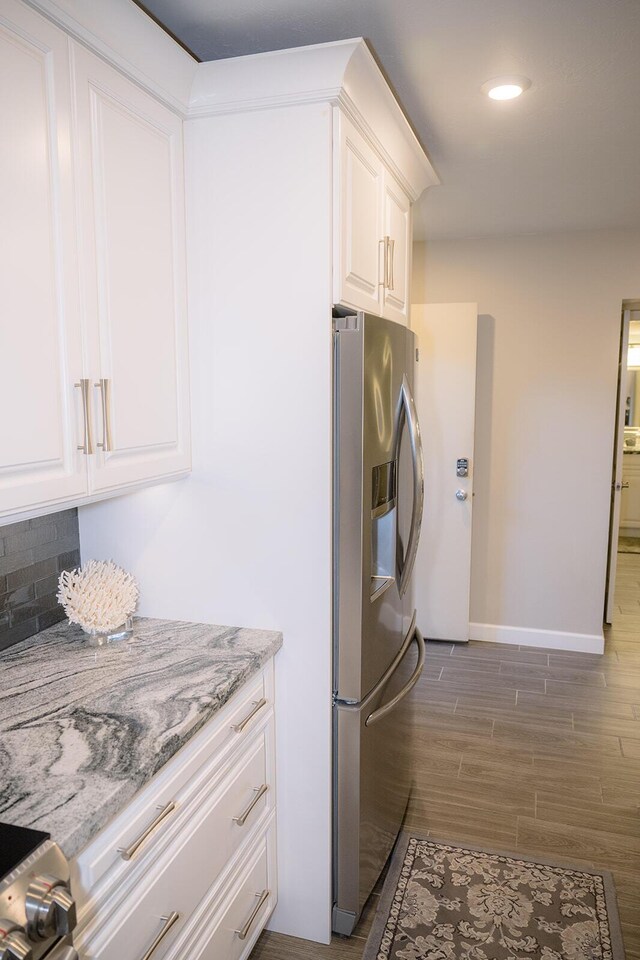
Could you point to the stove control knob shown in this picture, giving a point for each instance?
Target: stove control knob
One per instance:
(13, 942)
(50, 908)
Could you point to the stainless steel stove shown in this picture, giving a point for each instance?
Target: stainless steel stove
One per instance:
(37, 911)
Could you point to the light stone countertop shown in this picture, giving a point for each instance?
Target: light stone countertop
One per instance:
(83, 728)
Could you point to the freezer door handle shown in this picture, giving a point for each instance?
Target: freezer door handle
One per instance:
(408, 687)
(405, 564)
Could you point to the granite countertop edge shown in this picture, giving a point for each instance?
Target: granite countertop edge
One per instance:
(75, 843)
(126, 711)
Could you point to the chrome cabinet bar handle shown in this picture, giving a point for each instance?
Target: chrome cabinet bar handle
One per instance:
(86, 447)
(258, 705)
(243, 932)
(391, 243)
(168, 923)
(127, 852)
(385, 262)
(105, 392)
(408, 687)
(259, 793)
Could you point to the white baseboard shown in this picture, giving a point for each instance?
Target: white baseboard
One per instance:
(527, 637)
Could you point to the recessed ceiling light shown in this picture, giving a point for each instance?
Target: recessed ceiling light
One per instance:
(505, 88)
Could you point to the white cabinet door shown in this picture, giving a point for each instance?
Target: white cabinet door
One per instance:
(40, 341)
(131, 189)
(372, 255)
(243, 914)
(397, 237)
(357, 258)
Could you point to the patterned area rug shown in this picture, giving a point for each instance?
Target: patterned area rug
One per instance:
(628, 544)
(441, 902)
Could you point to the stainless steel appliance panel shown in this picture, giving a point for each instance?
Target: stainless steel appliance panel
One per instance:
(373, 408)
(374, 749)
(37, 909)
(378, 498)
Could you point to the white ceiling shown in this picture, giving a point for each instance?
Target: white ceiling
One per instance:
(565, 156)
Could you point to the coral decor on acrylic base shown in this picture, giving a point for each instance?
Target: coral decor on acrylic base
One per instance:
(100, 597)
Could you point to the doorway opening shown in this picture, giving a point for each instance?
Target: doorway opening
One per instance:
(622, 598)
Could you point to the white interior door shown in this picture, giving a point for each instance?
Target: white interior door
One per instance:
(616, 486)
(446, 402)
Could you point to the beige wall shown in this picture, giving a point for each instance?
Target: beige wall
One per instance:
(547, 368)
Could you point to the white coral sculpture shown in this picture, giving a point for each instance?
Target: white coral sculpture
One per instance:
(99, 596)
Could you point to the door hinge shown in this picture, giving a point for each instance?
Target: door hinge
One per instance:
(346, 324)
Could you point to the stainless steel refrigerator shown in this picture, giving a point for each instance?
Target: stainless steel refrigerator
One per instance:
(378, 651)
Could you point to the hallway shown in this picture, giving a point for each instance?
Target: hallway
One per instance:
(532, 751)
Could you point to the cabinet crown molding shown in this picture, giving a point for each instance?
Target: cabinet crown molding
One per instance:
(125, 36)
(344, 73)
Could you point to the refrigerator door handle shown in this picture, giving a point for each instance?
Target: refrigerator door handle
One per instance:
(405, 564)
(408, 687)
(354, 706)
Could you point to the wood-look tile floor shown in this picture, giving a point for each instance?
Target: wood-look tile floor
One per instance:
(527, 750)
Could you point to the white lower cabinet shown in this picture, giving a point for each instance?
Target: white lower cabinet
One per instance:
(230, 931)
(202, 882)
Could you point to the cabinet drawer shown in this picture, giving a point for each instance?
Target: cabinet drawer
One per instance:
(207, 843)
(236, 921)
(101, 868)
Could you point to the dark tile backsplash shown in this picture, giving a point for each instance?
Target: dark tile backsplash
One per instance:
(33, 553)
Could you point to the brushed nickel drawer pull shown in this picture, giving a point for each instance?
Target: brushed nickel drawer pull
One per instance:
(243, 933)
(168, 923)
(86, 447)
(259, 793)
(257, 705)
(105, 392)
(127, 852)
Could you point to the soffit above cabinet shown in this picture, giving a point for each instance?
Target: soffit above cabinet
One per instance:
(562, 157)
(343, 73)
(124, 35)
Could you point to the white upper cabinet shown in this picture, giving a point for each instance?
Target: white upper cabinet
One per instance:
(373, 235)
(95, 384)
(131, 191)
(40, 340)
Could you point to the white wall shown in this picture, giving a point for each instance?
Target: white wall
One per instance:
(246, 540)
(547, 371)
